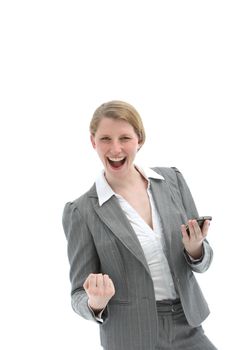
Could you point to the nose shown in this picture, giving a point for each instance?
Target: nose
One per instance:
(116, 147)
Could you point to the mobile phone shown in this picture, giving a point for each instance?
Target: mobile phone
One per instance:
(200, 222)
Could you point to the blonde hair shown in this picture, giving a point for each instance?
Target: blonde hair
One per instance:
(119, 110)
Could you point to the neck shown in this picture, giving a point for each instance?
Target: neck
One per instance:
(129, 181)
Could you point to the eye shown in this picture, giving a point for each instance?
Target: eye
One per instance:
(105, 138)
(125, 138)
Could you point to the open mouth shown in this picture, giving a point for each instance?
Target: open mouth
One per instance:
(116, 162)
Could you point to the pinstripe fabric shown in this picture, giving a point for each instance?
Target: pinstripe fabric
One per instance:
(174, 331)
(100, 239)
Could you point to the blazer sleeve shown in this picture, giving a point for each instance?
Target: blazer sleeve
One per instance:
(83, 259)
(191, 210)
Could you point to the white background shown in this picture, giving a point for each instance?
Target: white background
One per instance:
(60, 60)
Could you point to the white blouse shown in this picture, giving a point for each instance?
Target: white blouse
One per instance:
(152, 241)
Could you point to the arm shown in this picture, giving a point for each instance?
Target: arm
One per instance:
(83, 259)
(197, 252)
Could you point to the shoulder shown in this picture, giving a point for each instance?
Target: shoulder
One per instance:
(81, 202)
(79, 211)
(172, 176)
(167, 172)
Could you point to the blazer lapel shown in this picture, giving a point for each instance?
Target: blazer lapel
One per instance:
(162, 199)
(114, 218)
(168, 207)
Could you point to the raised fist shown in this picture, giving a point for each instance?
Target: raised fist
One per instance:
(100, 289)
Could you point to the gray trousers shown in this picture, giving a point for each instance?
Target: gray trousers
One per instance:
(174, 331)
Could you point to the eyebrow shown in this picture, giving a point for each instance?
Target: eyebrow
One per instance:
(104, 135)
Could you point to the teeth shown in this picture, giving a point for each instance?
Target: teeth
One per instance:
(116, 159)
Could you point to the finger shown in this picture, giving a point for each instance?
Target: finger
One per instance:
(108, 283)
(86, 284)
(184, 233)
(112, 286)
(99, 281)
(205, 228)
(92, 280)
(109, 286)
(191, 229)
(107, 280)
(197, 229)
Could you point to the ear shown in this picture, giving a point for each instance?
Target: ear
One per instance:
(139, 146)
(92, 138)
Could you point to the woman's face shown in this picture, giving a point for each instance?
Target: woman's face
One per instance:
(116, 144)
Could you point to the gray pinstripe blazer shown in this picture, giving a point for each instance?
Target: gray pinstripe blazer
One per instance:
(101, 240)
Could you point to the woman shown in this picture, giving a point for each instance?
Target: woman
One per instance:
(131, 257)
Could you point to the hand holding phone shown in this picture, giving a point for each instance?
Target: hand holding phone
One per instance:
(200, 222)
